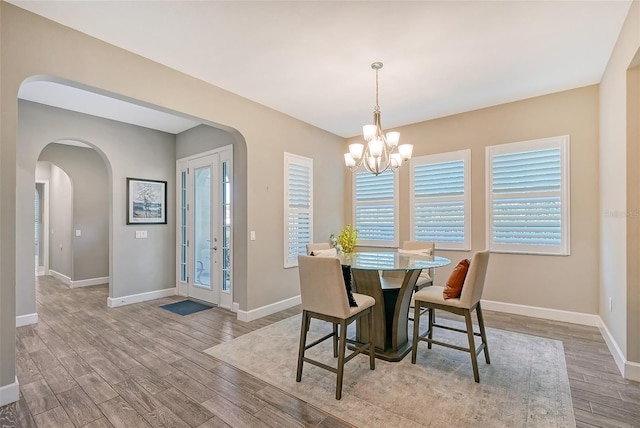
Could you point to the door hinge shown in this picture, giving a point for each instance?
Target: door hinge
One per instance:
(187, 242)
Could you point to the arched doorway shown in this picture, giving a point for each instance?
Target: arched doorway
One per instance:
(77, 212)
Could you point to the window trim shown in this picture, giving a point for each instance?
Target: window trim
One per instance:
(292, 159)
(459, 155)
(563, 143)
(396, 213)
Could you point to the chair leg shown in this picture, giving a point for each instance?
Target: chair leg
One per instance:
(432, 321)
(341, 352)
(335, 340)
(472, 345)
(483, 333)
(304, 328)
(416, 328)
(372, 347)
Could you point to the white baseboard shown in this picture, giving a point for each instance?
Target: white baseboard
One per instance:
(628, 369)
(545, 313)
(142, 297)
(9, 393)
(29, 319)
(61, 277)
(89, 282)
(632, 371)
(235, 307)
(263, 311)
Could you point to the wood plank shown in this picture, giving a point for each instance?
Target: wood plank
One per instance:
(184, 407)
(75, 365)
(39, 397)
(298, 409)
(99, 423)
(137, 397)
(244, 398)
(277, 418)
(59, 379)
(55, 417)
(96, 388)
(189, 387)
(121, 415)
(79, 407)
(232, 414)
(148, 380)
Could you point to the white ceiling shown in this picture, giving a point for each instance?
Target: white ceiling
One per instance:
(311, 59)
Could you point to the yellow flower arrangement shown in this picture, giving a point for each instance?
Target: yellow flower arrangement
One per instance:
(347, 239)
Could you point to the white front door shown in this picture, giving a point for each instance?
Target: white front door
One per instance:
(204, 225)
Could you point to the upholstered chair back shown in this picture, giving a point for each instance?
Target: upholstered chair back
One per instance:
(474, 281)
(318, 246)
(322, 286)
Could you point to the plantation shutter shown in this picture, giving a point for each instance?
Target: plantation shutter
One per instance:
(440, 200)
(298, 207)
(439, 208)
(529, 201)
(375, 208)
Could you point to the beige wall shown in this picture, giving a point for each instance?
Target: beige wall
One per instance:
(615, 185)
(32, 46)
(553, 282)
(8, 117)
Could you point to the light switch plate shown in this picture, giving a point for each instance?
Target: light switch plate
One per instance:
(141, 234)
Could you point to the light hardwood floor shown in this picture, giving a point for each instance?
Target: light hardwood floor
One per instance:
(85, 365)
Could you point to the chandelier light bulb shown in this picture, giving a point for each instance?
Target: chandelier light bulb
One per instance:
(349, 161)
(396, 160)
(392, 139)
(356, 150)
(368, 132)
(405, 151)
(375, 147)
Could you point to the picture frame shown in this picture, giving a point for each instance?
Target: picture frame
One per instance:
(146, 201)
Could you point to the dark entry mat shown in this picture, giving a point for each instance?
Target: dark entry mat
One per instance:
(186, 307)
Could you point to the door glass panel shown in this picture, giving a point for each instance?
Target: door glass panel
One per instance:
(183, 227)
(202, 226)
(226, 228)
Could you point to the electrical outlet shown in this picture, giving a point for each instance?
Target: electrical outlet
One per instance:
(610, 304)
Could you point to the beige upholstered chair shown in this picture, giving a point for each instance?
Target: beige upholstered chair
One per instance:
(318, 246)
(432, 299)
(324, 297)
(426, 276)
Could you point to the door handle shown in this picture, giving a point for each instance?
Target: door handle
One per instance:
(214, 248)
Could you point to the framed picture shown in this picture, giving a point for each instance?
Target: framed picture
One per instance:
(146, 201)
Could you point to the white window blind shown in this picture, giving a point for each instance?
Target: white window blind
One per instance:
(298, 207)
(376, 208)
(528, 196)
(440, 200)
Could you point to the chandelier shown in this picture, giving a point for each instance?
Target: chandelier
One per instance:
(382, 151)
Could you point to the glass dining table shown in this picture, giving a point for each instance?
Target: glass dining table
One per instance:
(390, 278)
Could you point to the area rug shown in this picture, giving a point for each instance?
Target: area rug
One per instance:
(526, 384)
(186, 307)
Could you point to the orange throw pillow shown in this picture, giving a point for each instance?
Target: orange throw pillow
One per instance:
(453, 289)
